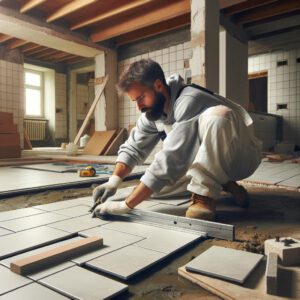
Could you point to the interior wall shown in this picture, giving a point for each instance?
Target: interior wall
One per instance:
(61, 131)
(283, 88)
(12, 92)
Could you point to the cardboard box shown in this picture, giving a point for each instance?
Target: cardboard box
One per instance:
(10, 145)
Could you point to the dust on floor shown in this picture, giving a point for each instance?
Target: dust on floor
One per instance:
(271, 213)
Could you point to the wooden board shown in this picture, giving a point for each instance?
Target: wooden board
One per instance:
(254, 288)
(99, 142)
(37, 262)
(113, 148)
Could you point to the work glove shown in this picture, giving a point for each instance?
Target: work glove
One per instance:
(112, 208)
(105, 190)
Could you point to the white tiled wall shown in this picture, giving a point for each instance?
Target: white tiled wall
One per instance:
(12, 92)
(171, 60)
(61, 105)
(283, 88)
(84, 99)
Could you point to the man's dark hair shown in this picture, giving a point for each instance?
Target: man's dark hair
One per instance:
(144, 72)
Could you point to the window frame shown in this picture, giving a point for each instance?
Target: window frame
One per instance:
(38, 88)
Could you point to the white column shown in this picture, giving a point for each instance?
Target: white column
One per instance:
(205, 43)
(234, 69)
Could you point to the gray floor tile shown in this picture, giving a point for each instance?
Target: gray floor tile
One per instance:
(170, 209)
(172, 201)
(126, 262)
(75, 211)
(32, 221)
(4, 231)
(59, 205)
(112, 240)
(16, 243)
(18, 213)
(78, 224)
(33, 291)
(229, 264)
(48, 271)
(80, 283)
(10, 281)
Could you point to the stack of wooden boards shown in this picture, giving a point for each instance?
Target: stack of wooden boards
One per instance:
(9, 137)
(105, 142)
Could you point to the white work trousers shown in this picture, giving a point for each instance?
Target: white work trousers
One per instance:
(229, 151)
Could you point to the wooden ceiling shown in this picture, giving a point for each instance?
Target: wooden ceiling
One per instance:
(125, 21)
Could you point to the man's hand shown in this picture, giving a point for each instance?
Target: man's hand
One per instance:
(112, 208)
(106, 190)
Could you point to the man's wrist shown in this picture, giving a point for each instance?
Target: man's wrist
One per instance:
(128, 205)
(115, 180)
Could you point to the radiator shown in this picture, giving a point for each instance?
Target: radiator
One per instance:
(36, 129)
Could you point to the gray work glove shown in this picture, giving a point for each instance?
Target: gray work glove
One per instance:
(112, 208)
(105, 190)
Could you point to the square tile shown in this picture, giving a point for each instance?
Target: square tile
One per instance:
(33, 291)
(18, 213)
(10, 280)
(112, 240)
(59, 205)
(4, 231)
(126, 262)
(229, 264)
(54, 268)
(15, 243)
(77, 224)
(74, 211)
(80, 283)
(32, 221)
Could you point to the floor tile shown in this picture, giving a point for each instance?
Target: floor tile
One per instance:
(229, 264)
(58, 205)
(33, 291)
(10, 281)
(4, 231)
(75, 211)
(47, 271)
(32, 221)
(16, 243)
(112, 240)
(80, 283)
(18, 213)
(78, 224)
(126, 262)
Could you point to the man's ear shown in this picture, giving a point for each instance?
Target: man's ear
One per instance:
(158, 85)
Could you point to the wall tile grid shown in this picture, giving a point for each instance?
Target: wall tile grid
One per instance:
(84, 99)
(12, 92)
(173, 60)
(61, 106)
(283, 88)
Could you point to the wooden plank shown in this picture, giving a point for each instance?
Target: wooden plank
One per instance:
(113, 148)
(99, 142)
(29, 47)
(110, 13)
(90, 112)
(228, 3)
(30, 4)
(27, 142)
(15, 43)
(149, 17)
(39, 261)
(5, 37)
(68, 8)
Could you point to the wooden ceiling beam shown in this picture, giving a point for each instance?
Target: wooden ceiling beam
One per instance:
(46, 52)
(68, 56)
(28, 47)
(154, 29)
(58, 55)
(228, 3)
(30, 4)
(36, 50)
(246, 5)
(5, 37)
(156, 15)
(268, 11)
(114, 12)
(68, 8)
(15, 43)
(75, 60)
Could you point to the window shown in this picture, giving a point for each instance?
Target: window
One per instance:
(34, 94)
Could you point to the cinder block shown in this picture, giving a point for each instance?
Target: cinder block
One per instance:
(271, 273)
(288, 253)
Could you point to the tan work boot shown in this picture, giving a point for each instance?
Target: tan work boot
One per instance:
(239, 193)
(203, 208)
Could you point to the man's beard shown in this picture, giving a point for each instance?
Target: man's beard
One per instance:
(155, 112)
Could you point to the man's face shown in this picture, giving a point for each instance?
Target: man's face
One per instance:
(147, 100)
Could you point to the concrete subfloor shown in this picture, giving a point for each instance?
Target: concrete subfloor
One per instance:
(271, 213)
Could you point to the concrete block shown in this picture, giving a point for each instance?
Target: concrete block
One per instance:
(288, 252)
(32, 221)
(33, 291)
(79, 283)
(16, 243)
(10, 281)
(271, 273)
(229, 264)
(40, 261)
(126, 262)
